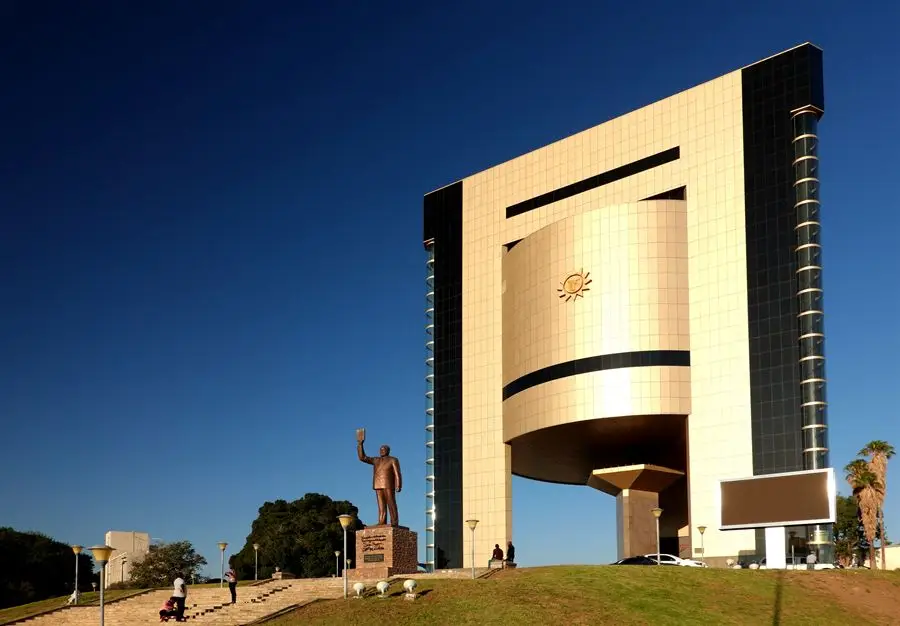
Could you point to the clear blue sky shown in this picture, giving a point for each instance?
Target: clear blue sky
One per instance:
(212, 269)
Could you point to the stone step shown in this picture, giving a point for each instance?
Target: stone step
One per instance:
(204, 606)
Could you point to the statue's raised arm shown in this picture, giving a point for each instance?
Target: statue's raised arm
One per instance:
(360, 451)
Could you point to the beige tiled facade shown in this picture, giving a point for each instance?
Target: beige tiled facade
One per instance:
(711, 316)
(665, 275)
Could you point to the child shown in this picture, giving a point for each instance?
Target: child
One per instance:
(167, 611)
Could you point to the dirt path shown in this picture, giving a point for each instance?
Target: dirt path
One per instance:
(875, 596)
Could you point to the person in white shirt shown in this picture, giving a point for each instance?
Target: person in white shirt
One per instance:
(179, 594)
(231, 579)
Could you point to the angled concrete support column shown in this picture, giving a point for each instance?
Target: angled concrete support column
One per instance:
(636, 525)
(636, 488)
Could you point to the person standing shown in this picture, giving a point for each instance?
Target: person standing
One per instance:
(231, 579)
(179, 595)
(510, 552)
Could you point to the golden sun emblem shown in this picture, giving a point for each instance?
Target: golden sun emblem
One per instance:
(574, 286)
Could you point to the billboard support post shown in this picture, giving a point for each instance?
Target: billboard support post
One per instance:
(775, 557)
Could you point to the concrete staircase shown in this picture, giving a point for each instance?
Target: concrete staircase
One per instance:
(204, 606)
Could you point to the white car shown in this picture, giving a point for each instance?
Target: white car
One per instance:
(671, 559)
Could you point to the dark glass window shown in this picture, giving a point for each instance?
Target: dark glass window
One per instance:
(809, 255)
(809, 278)
(443, 223)
(808, 212)
(811, 300)
(599, 180)
(771, 90)
(813, 414)
(814, 438)
(599, 363)
(812, 392)
(812, 368)
(812, 345)
(811, 323)
(806, 168)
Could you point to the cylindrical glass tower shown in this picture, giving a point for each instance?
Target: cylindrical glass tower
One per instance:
(429, 408)
(810, 306)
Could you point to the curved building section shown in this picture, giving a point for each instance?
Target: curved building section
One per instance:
(596, 342)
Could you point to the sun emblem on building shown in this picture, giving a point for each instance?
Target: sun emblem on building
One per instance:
(574, 285)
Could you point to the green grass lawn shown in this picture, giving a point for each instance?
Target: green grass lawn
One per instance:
(14, 613)
(628, 595)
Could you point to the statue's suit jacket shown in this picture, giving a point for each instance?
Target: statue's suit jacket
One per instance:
(386, 474)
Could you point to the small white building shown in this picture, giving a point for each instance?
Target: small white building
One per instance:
(129, 547)
(891, 558)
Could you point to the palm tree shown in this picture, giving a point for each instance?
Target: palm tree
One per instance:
(880, 453)
(865, 487)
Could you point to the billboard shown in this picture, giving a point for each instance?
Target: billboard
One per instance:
(788, 499)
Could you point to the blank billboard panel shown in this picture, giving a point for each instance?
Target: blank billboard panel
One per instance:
(788, 499)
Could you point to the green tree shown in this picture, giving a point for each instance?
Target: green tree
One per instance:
(865, 487)
(849, 537)
(164, 562)
(36, 567)
(300, 537)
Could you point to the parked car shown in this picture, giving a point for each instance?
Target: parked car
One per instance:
(635, 560)
(671, 559)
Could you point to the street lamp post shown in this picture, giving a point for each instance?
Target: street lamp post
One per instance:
(77, 550)
(101, 556)
(345, 524)
(657, 512)
(702, 529)
(222, 546)
(337, 563)
(472, 523)
(255, 561)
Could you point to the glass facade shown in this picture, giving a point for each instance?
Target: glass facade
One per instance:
(809, 288)
(771, 91)
(443, 230)
(429, 407)
(783, 98)
(813, 405)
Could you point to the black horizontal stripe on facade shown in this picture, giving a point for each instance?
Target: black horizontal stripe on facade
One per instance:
(598, 180)
(622, 360)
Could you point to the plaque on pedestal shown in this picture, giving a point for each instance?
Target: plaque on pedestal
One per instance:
(384, 551)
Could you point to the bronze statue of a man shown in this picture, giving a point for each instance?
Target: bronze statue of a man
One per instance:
(387, 480)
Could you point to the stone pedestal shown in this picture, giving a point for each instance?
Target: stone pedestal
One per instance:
(384, 551)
